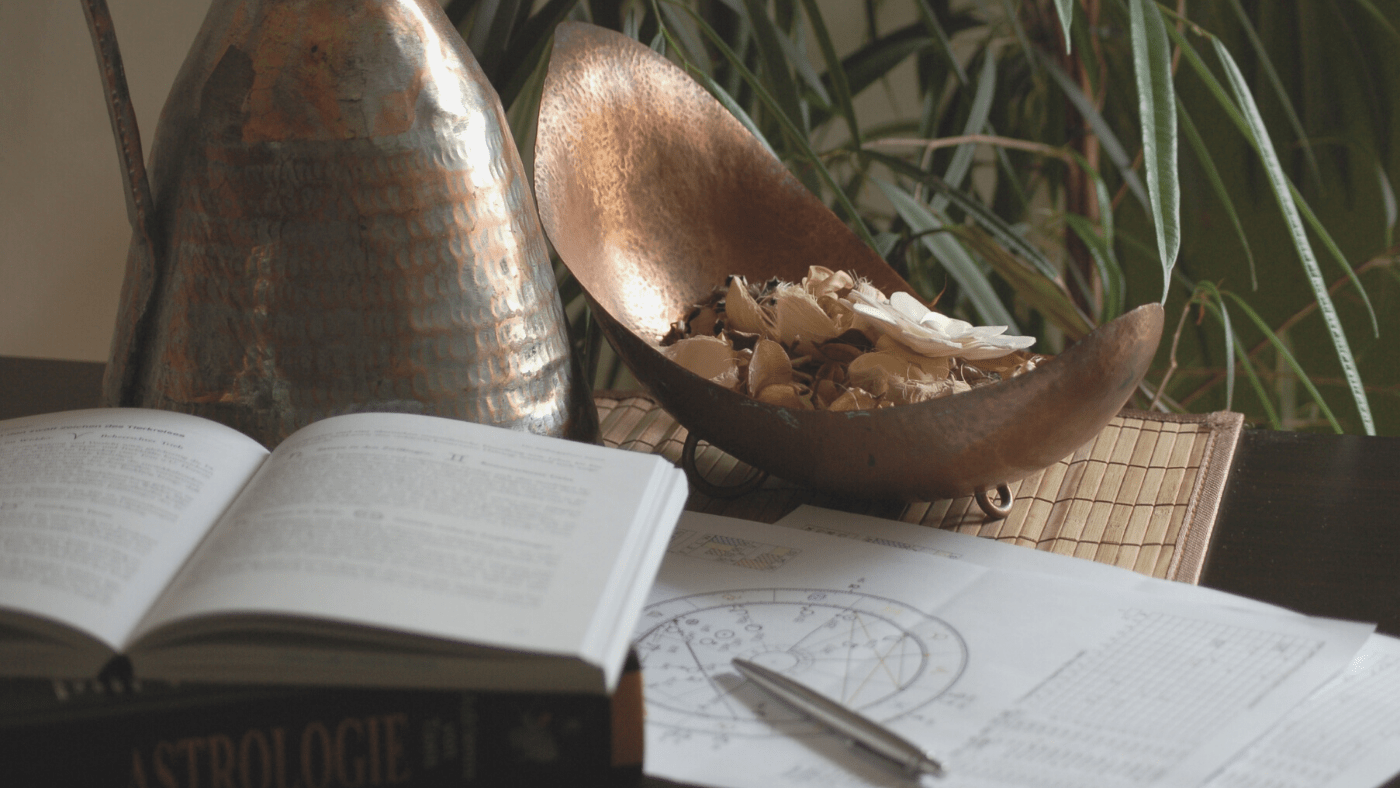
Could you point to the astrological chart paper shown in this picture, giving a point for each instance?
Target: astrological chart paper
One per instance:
(1008, 678)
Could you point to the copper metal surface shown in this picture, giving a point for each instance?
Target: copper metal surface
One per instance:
(341, 222)
(652, 193)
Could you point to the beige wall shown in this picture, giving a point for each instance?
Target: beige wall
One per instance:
(63, 225)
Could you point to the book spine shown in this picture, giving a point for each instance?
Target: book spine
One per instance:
(325, 738)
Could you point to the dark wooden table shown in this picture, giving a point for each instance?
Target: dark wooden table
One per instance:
(1308, 521)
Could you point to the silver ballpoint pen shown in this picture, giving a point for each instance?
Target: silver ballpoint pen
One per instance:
(859, 729)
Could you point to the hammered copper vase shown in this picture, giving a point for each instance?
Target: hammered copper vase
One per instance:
(338, 221)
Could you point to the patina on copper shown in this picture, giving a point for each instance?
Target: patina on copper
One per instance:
(652, 193)
(337, 220)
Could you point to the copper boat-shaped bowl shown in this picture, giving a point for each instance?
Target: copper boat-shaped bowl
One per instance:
(653, 193)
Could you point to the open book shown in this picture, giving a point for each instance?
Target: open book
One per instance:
(370, 549)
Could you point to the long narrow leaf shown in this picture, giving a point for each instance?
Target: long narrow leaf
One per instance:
(803, 66)
(1380, 20)
(976, 121)
(1065, 10)
(1110, 272)
(980, 213)
(954, 258)
(730, 104)
(836, 73)
(940, 35)
(874, 60)
(1217, 185)
(794, 135)
(1222, 312)
(1198, 65)
(1107, 139)
(1288, 358)
(1283, 193)
(1388, 201)
(1285, 103)
(1157, 113)
(1246, 129)
(778, 76)
(530, 47)
(1336, 251)
(1237, 349)
(1046, 296)
(685, 35)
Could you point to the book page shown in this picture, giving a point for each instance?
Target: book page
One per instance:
(98, 508)
(424, 525)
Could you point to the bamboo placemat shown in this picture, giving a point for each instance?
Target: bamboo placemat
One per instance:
(1142, 495)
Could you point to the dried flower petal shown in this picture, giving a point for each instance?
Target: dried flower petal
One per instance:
(769, 366)
(853, 399)
(907, 320)
(784, 394)
(742, 312)
(835, 341)
(822, 281)
(798, 316)
(711, 358)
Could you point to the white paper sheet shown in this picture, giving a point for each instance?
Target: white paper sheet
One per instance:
(1346, 735)
(1011, 677)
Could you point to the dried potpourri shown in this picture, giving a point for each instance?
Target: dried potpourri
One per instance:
(834, 342)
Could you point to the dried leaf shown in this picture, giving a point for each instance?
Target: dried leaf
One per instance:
(711, 358)
(853, 399)
(836, 342)
(742, 312)
(784, 394)
(798, 316)
(769, 366)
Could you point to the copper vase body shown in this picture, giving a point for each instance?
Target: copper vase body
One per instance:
(340, 221)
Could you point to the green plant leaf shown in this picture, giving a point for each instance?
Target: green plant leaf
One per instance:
(1381, 20)
(1193, 137)
(1213, 298)
(1246, 128)
(940, 35)
(1065, 10)
(1110, 272)
(1283, 192)
(794, 135)
(684, 34)
(1107, 139)
(976, 122)
(1388, 200)
(730, 104)
(803, 66)
(776, 71)
(958, 263)
(979, 213)
(875, 59)
(1288, 358)
(1157, 113)
(836, 73)
(529, 48)
(1285, 103)
(1336, 251)
(1044, 295)
(491, 33)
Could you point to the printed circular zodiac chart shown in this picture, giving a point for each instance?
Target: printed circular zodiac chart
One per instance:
(876, 655)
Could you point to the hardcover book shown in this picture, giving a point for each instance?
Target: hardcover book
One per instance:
(371, 549)
(115, 731)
